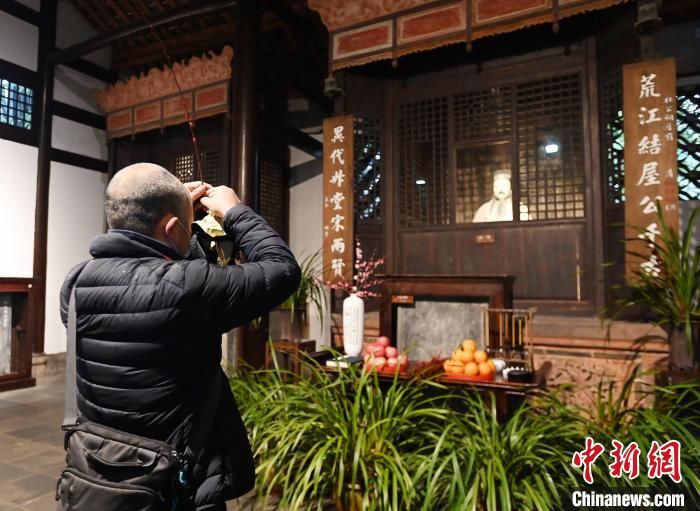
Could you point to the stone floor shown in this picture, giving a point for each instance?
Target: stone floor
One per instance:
(31, 447)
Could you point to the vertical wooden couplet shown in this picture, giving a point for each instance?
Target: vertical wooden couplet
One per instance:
(651, 173)
(338, 200)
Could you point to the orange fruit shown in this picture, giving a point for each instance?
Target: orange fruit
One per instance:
(452, 367)
(485, 369)
(466, 356)
(492, 364)
(468, 345)
(471, 369)
(480, 357)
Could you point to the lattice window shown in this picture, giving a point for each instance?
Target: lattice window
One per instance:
(484, 113)
(185, 167)
(16, 104)
(424, 197)
(272, 190)
(688, 135)
(688, 128)
(550, 147)
(614, 139)
(368, 166)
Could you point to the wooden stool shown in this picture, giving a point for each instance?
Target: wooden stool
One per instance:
(292, 348)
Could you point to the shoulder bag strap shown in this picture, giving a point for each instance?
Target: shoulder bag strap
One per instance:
(70, 405)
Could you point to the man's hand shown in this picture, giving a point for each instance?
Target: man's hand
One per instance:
(219, 200)
(197, 189)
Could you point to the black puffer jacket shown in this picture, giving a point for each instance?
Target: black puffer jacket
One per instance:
(149, 338)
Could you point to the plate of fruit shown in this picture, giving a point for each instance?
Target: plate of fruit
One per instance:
(469, 363)
(380, 356)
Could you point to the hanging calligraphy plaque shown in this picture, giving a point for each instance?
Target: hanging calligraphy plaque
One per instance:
(651, 173)
(338, 201)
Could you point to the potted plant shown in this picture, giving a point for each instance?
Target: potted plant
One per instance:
(670, 294)
(289, 320)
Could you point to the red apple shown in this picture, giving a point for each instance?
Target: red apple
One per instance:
(383, 341)
(377, 362)
(391, 352)
(403, 359)
(392, 361)
(375, 350)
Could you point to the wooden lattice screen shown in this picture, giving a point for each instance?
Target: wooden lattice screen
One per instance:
(368, 168)
(185, 170)
(272, 195)
(688, 133)
(483, 113)
(423, 163)
(613, 137)
(548, 113)
(548, 174)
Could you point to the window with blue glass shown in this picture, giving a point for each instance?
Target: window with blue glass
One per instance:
(16, 104)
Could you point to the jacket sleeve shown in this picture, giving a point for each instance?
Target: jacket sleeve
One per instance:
(229, 296)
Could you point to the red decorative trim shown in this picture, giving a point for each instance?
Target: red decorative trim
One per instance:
(490, 11)
(363, 40)
(172, 107)
(146, 114)
(432, 23)
(211, 96)
(118, 121)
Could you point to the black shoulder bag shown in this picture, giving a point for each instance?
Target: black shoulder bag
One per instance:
(111, 470)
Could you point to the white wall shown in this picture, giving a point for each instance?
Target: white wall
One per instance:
(76, 195)
(306, 237)
(74, 88)
(19, 41)
(17, 204)
(75, 217)
(18, 44)
(79, 138)
(72, 28)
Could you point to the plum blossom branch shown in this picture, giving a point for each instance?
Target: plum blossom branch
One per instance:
(364, 280)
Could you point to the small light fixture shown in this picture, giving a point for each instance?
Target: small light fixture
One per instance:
(420, 181)
(551, 148)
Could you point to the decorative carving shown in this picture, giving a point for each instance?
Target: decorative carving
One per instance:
(158, 83)
(362, 31)
(341, 13)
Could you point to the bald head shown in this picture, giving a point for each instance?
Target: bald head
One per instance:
(139, 196)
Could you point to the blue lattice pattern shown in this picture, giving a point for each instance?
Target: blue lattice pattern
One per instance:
(16, 104)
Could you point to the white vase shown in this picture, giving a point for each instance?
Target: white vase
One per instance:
(353, 324)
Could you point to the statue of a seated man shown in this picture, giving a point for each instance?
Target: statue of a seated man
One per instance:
(500, 207)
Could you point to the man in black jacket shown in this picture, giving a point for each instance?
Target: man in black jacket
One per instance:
(149, 320)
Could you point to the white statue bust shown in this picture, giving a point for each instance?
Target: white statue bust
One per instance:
(500, 207)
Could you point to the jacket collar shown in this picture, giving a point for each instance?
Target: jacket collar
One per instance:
(124, 243)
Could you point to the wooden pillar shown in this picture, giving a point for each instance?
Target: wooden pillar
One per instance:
(244, 103)
(47, 43)
(244, 140)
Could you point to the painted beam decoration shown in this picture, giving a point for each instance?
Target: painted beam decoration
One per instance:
(651, 167)
(152, 100)
(365, 31)
(338, 200)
